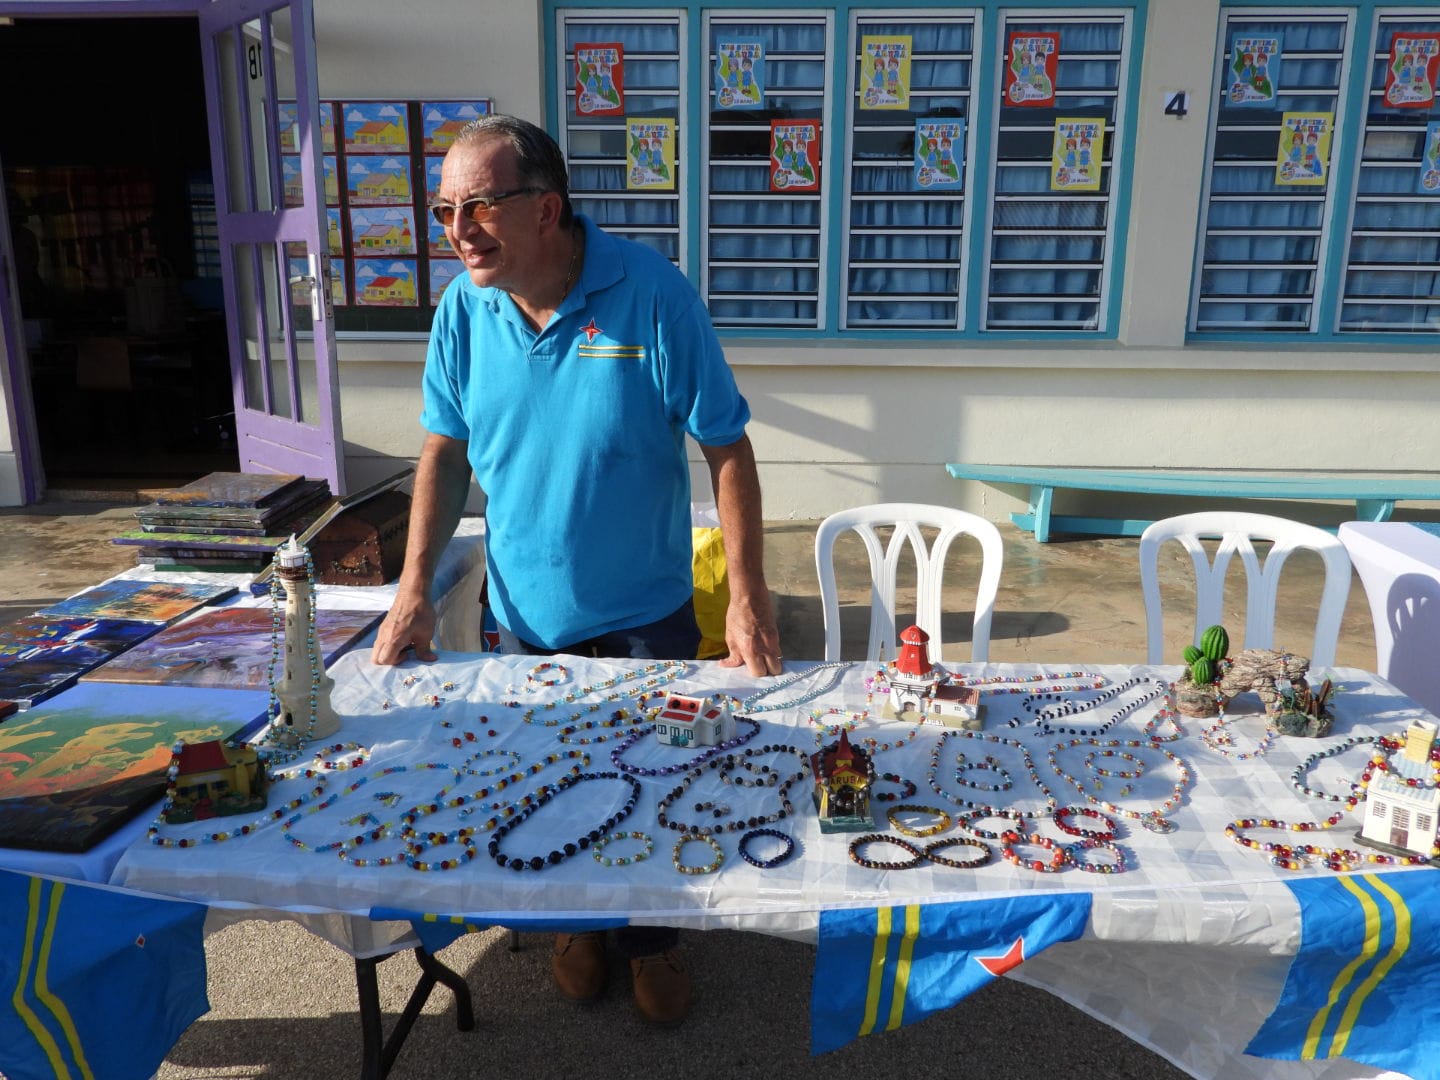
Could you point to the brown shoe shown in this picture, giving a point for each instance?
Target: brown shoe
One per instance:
(662, 987)
(578, 964)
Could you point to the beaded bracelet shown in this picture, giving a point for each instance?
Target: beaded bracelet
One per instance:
(985, 764)
(1008, 840)
(831, 731)
(933, 848)
(774, 860)
(1072, 856)
(967, 821)
(1061, 813)
(414, 850)
(941, 823)
(708, 868)
(623, 860)
(917, 856)
(907, 788)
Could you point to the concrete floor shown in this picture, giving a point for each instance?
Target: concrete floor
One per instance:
(283, 1003)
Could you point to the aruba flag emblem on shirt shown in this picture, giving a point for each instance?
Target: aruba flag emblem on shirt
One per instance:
(1363, 985)
(880, 968)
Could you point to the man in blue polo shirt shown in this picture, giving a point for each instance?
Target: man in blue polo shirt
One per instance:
(565, 369)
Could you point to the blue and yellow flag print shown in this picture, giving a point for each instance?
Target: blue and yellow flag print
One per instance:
(880, 968)
(1363, 985)
(96, 983)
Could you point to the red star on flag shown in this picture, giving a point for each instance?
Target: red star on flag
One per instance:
(591, 332)
(140, 941)
(1012, 958)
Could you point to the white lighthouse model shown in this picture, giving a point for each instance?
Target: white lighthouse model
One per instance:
(302, 688)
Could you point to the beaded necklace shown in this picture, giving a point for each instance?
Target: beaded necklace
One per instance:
(1297, 778)
(1154, 820)
(1220, 738)
(836, 668)
(988, 763)
(617, 755)
(1044, 716)
(659, 674)
(727, 765)
(557, 855)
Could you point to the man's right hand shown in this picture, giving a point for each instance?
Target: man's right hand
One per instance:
(409, 625)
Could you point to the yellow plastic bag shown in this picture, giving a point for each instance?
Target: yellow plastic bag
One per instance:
(712, 592)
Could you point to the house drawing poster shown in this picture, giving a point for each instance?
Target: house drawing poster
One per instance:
(293, 183)
(376, 127)
(885, 72)
(1031, 66)
(386, 283)
(650, 154)
(1412, 71)
(288, 120)
(441, 121)
(1075, 154)
(382, 230)
(442, 272)
(739, 74)
(794, 155)
(1254, 72)
(1303, 156)
(939, 151)
(600, 79)
(1429, 182)
(378, 180)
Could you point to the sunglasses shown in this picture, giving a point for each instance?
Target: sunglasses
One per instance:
(480, 208)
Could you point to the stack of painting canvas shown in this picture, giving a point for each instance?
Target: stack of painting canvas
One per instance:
(225, 521)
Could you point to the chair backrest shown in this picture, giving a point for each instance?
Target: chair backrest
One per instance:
(907, 518)
(1236, 531)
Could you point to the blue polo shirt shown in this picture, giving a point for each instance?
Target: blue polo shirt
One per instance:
(577, 437)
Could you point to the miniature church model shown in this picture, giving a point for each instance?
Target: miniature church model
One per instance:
(842, 775)
(693, 721)
(302, 689)
(1402, 804)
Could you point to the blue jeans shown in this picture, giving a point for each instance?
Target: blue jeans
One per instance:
(675, 637)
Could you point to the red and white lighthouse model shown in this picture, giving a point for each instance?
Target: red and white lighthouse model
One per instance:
(911, 676)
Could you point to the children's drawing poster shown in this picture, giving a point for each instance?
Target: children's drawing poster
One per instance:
(1303, 157)
(649, 154)
(433, 165)
(1429, 183)
(378, 180)
(442, 272)
(382, 230)
(739, 74)
(441, 121)
(794, 155)
(1254, 71)
(1410, 76)
(1075, 154)
(1031, 65)
(939, 150)
(293, 182)
(288, 119)
(600, 79)
(386, 283)
(885, 72)
(376, 127)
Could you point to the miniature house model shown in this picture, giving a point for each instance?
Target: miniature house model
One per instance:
(1402, 805)
(911, 677)
(214, 780)
(951, 705)
(843, 774)
(693, 721)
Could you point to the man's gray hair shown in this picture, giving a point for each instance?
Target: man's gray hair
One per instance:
(538, 160)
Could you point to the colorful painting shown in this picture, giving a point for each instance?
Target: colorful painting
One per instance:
(229, 648)
(1303, 156)
(436, 245)
(1032, 64)
(740, 74)
(376, 127)
(39, 657)
(386, 283)
(442, 272)
(885, 72)
(1411, 73)
(441, 121)
(600, 79)
(1429, 182)
(232, 489)
(75, 768)
(378, 181)
(7, 708)
(432, 179)
(289, 119)
(1254, 72)
(650, 154)
(382, 231)
(145, 601)
(939, 154)
(1075, 154)
(294, 183)
(794, 155)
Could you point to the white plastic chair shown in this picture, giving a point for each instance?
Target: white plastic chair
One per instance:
(907, 518)
(1236, 531)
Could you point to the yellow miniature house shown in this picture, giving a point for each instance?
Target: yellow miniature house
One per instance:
(214, 779)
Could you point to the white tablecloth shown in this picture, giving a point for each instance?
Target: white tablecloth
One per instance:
(1193, 900)
(1399, 564)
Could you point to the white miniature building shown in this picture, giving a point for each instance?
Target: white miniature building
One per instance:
(693, 721)
(955, 706)
(1398, 815)
(911, 677)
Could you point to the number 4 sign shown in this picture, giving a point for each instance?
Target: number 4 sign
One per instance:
(1177, 102)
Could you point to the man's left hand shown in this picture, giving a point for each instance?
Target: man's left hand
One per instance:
(751, 634)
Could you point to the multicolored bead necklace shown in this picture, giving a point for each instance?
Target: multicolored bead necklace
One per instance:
(652, 676)
(727, 765)
(1220, 738)
(557, 855)
(1155, 820)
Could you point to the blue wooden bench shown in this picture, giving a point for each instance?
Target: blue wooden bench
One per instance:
(1374, 498)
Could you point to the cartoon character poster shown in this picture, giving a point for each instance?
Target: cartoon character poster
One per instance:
(600, 79)
(885, 72)
(1411, 73)
(1303, 157)
(1254, 72)
(1031, 65)
(794, 155)
(1429, 183)
(739, 74)
(939, 153)
(1075, 154)
(650, 154)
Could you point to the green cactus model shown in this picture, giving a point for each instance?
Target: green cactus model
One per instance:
(1202, 671)
(1191, 654)
(1215, 643)
(1203, 660)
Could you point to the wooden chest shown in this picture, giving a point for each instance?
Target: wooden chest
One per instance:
(366, 544)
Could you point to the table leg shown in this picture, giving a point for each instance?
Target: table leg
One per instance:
(377, 1052)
